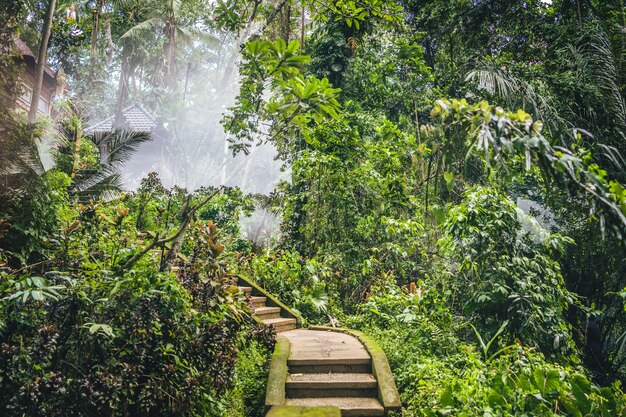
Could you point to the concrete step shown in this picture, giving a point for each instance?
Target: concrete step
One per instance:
(286, 410)
(350, 406)
(281, 324)
(258, 301)
(332, 365)
(267, 312)
(331, 385)
(246, 290)
(335, 368)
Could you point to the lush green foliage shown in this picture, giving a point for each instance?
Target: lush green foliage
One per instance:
(125, 341)
(507, 271)
(247, 398)
(440, 370)
(399, 216)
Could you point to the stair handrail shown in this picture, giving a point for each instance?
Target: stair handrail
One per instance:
(277, 303)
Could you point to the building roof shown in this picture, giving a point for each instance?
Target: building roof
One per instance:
(135, 117)
(26, 52)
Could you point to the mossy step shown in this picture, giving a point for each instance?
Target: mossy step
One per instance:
(331, 380)
(281, 324)
(293, 411)
(246, 290)
(340, 360)
(267, 312)
(258, 301)
(331, 385)
(387, 390)
(325, 368)
(349, 406)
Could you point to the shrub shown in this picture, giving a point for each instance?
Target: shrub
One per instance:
(82, 336)
(247, 398)
(508, 272)
(440, 371)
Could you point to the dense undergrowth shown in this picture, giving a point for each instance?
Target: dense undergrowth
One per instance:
(442, 367)
(89, 328)
(459, 345)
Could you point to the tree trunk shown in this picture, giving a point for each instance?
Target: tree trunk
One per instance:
(95, 29)
(41, 62)
(302, 26)
(109, 38)
(285, 23)
(122, 89)
(169, 50)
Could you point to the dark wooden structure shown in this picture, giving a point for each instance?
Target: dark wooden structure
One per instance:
(52, 86)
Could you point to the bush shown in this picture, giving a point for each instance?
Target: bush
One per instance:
(247, 398)
(304, 285)
(439, 371)
(131, 345)
(81, 335)
(508, 272)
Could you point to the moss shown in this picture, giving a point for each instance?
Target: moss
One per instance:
(278, 374)
(387, 390)
(291, 411)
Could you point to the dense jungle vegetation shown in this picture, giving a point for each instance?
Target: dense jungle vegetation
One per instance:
(455, 186)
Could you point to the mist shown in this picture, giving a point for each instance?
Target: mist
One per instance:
(189, 147)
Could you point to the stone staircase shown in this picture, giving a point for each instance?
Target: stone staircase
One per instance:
(321, 372)
(269, 315)
(331, 369)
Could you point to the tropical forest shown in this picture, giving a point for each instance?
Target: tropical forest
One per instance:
(313, 208)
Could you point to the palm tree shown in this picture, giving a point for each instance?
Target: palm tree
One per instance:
(116, 147)
(164, 19)
(88, 180)
(105, 180)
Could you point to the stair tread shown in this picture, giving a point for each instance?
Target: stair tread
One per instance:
(330, 380)
(257, 298)
(310, 347)
(364, 406)
(279, 321)
(340, 360)
(245, 289)
(266, 310)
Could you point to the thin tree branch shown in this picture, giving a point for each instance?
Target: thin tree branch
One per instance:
(187, 216)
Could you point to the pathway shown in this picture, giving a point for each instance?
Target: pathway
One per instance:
(322, 368)
(330, 368)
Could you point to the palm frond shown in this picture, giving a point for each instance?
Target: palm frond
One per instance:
(30, 159)
(92, 184)
(515, 92)
(603, 68)
(590, 57)
(612, 154)
(192, 33)
(121, 145)
(151, 24)
(494, 82)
